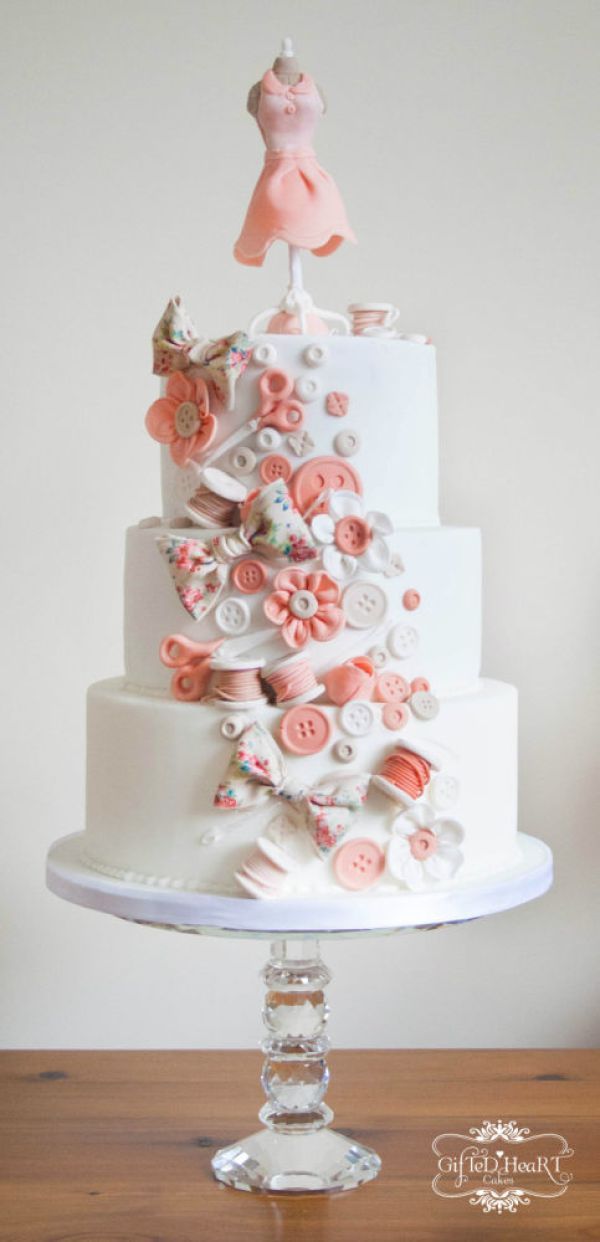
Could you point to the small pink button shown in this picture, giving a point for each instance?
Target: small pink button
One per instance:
(358, 864)
(395, 715)
(419, 683)
(353, 535)
(411, 600)
(423, 843)
(391, 688)
(275, 467)
(305, 729)
(249, 576)
(318, 473)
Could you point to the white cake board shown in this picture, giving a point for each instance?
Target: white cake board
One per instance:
(71, 878)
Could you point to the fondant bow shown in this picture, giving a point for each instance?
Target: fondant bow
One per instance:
(176, 346)
(271, 525)
(257, 770)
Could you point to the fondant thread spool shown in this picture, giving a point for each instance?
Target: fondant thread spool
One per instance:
(234, 682)
(405, 774)
(372, 317)
(263, 873)
(292, 680)
(208, 509)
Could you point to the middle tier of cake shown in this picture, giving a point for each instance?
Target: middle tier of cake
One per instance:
(442, 574)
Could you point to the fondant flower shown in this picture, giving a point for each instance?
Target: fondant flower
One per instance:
(305, 606)
(424, 850)
(182, 418)
(352, 537)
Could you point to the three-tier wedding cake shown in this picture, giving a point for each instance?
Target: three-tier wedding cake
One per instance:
(302, 714)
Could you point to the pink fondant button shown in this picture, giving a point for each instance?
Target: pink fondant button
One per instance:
(419, 683)
(352, 535)
(391, 688)
(395, 715)
(305, 729)
(319, 473)
(358, 864)
(275, 467)
(249, 576)
(411, 600)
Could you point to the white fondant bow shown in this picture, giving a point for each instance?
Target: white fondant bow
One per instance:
(257, 770)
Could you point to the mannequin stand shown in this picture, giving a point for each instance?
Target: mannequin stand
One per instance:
(296, 1151)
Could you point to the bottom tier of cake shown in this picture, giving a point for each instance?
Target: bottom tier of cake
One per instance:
(154, 766)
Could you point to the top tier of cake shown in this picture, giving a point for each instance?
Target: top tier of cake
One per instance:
(388, 392)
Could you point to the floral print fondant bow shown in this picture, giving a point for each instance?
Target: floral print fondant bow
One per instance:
(257, 770)
(271, 525)
(176, 346)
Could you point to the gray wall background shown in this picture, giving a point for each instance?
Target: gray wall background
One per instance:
(463, 135)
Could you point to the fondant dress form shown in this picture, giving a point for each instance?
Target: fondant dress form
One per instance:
(295, 200)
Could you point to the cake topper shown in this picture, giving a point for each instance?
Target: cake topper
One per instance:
(295, 200)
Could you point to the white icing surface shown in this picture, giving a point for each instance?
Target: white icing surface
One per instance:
(391, 385)
(443, 564)
(153, 766)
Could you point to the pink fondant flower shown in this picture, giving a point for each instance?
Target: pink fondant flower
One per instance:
(424, 850)
(305, 606)
(182, 418)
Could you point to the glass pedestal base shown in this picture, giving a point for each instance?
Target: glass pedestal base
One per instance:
(300, 1163)
(296, 1152)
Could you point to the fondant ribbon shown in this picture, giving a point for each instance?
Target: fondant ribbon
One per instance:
(271, 524)
(257, 770)
(176, 346)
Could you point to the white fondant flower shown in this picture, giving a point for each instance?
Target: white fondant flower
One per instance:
(352, 537)
(424, 850)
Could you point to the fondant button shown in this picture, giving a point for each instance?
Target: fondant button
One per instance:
(358, 864)
(395, 715)
(364, 604)
(394, 566)
(392, 688)
(347, 443)
(352, 535)
(268, 439)
(232, 726)
(419, 683)
(290, 109)
(243, 461)
(186, 419)
(345, 751)
(232, 616)
(275, 467)
(319, 473)
(357, 718)
(303, 604)
(305, 729)
(249, 576)
(265, 355)
(425, 705)
(411, 600)
(307, 388)
(315, 355)
(402, 641)
(444, 792)
(378, 655)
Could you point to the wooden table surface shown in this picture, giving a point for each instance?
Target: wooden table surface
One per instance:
(116, 1146)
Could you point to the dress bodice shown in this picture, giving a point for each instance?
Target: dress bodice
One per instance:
(287, 116)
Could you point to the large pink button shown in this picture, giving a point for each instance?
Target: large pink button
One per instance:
(305, 729)
(275, 467)
(358, 864)
(353, 535)
(319, 473)
(392, 688)
(249, 576)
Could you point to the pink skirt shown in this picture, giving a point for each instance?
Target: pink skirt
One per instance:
(294, 201)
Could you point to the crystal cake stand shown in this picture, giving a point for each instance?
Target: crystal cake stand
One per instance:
(296, 1151)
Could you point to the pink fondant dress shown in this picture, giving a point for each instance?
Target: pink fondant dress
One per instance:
(295, 200)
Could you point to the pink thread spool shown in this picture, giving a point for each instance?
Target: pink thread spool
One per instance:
(406, 772)
(263, 873)
(236, 682)
(293, 680)
(216, 501)
(372, 317)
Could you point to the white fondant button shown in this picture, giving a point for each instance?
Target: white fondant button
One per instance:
(424, 705)
(186, 419)
(232, 616)
(307, 388)
(345, 751)
(364, 604)
(378, 655)
(303, 604)
(264, 355)
(402, 641)
(315, 355)
(268, 439)
(347, 443)
(444, 791)
(243, 461)
(232, 726)
(357, 718)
